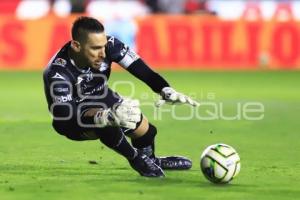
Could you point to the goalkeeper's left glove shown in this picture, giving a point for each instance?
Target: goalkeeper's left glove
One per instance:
(170, 96)
(126, 114)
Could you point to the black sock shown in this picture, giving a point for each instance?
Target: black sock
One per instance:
(115, 139)
(146, 142)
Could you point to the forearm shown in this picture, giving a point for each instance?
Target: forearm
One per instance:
(88, 116)
(140, 70)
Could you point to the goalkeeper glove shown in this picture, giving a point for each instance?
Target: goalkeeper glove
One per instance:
(126, 114)
(170, 96)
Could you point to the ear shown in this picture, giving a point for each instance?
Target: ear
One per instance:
(75, 45)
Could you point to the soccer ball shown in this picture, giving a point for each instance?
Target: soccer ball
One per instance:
(220, 163)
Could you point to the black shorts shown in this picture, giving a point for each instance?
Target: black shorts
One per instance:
(78, 131)
(107, 100)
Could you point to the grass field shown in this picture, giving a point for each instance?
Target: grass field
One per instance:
(37, 163)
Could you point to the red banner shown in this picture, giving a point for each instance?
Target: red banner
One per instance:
(209, 43)
(173, 42)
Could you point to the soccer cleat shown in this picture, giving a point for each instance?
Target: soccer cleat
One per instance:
(168, 162)
(146, 166)
(173, 162)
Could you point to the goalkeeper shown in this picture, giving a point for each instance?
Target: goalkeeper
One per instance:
(85, 108)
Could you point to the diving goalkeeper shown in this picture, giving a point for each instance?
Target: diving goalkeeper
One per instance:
(85, 108)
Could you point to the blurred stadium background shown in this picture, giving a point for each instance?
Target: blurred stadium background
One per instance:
(225, 53)
(172, 34)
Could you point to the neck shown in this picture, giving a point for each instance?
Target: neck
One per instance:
(78, 62)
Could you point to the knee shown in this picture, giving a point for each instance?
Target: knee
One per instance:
(111, 136)
(67, 129)
(142, 128)
(59, 127)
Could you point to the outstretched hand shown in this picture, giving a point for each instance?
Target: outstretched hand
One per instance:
(171, 96)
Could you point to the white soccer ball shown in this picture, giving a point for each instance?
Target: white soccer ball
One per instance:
(220, 163)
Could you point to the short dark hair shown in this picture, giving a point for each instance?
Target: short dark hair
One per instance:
(84, 25)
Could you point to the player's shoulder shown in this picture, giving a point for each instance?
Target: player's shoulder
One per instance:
(119, 52)
(115, 48)
(114, 43)
(58, 64)
(56, 70)
(112, 40)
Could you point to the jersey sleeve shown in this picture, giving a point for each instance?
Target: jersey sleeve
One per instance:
(131, 61)
(143, 72)
(120, 53)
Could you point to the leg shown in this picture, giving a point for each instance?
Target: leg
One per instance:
(72, 131)
(114, 138)
(143, 138)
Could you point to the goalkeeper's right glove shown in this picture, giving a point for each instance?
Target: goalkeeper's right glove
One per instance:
(171, 96)
(126, 114)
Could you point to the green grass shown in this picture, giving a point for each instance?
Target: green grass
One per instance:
(37, 163)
